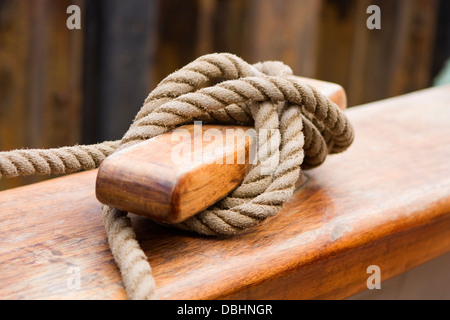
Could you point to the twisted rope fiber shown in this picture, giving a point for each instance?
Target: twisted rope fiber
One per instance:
(303, 127)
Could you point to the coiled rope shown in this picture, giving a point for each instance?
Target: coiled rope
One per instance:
(303, 127)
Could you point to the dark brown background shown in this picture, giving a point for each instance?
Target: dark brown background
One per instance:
(56, 84)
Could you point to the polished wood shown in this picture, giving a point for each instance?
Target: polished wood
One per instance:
(385, 202)
(178, 174)
(174, 176)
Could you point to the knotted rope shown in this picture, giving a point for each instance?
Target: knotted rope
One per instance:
(303, 127)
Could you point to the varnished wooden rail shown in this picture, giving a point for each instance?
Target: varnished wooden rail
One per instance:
(385, 202)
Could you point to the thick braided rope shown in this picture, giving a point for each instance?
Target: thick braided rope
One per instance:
(54, 161)
(303, 126)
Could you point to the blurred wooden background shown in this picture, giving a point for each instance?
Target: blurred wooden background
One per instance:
(56, 84)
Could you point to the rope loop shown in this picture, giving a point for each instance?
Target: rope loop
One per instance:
(296, 126)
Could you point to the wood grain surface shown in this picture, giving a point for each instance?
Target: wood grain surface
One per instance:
(385, 202)
(377, 64)
(40, 77)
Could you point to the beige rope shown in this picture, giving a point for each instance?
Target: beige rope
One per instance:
(303, 126)
(54, 161)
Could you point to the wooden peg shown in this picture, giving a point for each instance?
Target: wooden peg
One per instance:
(174, 176)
